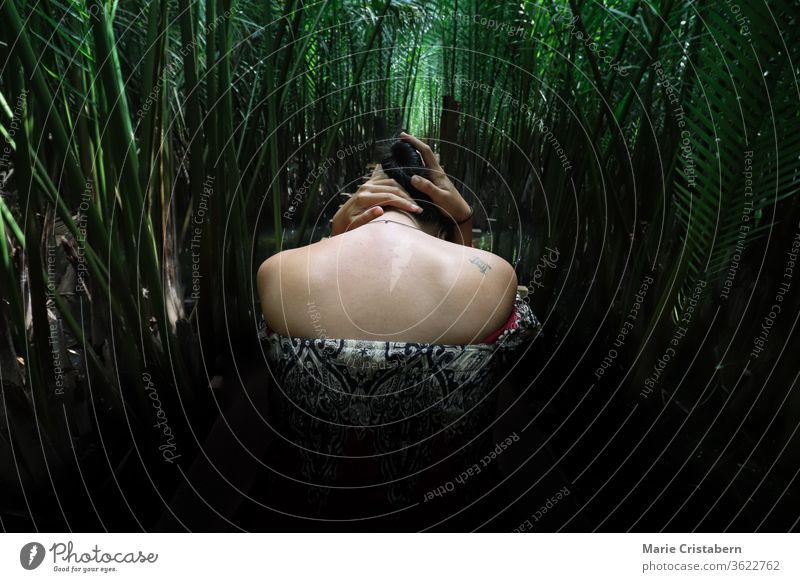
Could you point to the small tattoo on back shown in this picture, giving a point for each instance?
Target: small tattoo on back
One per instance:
(481, 264)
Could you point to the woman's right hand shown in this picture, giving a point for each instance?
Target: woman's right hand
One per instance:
(441, 190)
(365, 205)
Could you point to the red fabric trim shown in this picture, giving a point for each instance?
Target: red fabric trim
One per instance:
(511, 323)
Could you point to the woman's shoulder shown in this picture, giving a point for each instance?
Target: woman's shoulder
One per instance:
(495, 263)
(486, 271)
(276, 272)
(282, 262)
(490, 261)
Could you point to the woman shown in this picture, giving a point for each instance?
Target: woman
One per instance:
(422, 322)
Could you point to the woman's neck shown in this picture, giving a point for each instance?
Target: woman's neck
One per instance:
(398, 216)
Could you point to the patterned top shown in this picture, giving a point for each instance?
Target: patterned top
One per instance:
(386, 409)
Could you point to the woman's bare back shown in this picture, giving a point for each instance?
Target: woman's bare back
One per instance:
(389, 282)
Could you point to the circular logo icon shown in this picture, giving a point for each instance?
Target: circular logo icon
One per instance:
(31, 555)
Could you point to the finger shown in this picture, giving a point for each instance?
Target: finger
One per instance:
(427, 187)
(384, 182)
(400, 202)
(365, 217)
(394, 190)
(388, 199)
(378, 172)
(404, 202)
(424, 150)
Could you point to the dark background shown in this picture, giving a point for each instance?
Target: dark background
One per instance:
(151, 142)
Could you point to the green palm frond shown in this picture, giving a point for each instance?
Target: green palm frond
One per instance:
(730, 114)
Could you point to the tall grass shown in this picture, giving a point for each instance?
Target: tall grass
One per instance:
(159, 148)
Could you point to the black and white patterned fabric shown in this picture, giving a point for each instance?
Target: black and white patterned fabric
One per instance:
(364, 413)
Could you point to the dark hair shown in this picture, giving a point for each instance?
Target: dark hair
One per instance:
(401, 161)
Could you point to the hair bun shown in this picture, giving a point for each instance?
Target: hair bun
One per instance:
(401, 162)
(405, 155)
